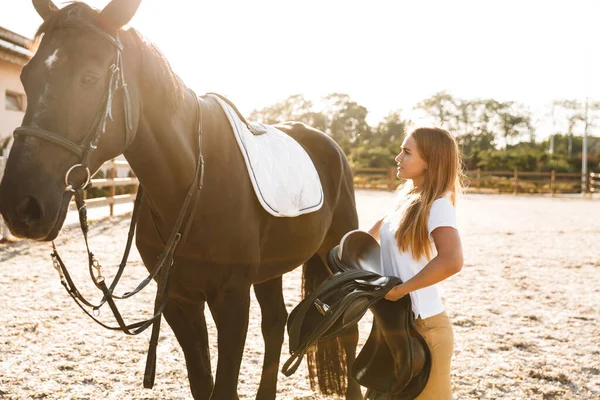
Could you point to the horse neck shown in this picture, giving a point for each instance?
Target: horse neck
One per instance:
(164, 155)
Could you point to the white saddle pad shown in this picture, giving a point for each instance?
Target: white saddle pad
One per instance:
(285, 180)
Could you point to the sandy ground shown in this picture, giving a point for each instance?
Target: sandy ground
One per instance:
(526, 311)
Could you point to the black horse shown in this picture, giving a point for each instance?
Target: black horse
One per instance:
(80, 114)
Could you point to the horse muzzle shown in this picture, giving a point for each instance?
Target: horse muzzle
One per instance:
(33, 214)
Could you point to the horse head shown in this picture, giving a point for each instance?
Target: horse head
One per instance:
(83, 109)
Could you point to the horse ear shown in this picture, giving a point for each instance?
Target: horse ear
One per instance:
(118, 13)
(45, 8)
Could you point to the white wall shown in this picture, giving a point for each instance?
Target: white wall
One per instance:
(9, 80)
(9, 119)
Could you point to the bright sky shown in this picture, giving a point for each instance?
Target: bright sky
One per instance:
(386, 55)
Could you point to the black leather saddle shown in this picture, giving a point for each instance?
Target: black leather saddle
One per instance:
(395, 361)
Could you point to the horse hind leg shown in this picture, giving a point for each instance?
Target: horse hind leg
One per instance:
(189, 325)
(274, 316)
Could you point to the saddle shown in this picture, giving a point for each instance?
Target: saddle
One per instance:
(395, 362)
(283, 175)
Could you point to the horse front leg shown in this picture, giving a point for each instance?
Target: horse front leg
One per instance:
(274, 315)
(230, 310)
(189, 325)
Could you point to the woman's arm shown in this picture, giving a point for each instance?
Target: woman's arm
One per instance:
(374, 231)
(448, 262)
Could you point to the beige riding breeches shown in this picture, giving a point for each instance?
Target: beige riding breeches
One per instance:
(438, 334)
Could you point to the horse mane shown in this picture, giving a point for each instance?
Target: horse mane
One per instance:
(159, 82)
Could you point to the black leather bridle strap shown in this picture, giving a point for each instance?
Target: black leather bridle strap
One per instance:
(166, 258)
(50, 137)
(199, 170)
(64, 273)
(163, 264)
(160, 303)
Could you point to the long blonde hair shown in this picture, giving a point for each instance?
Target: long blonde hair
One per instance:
(443, 175)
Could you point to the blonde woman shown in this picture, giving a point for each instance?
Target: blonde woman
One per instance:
(420, 242)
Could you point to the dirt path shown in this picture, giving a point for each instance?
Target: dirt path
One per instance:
(526, 312)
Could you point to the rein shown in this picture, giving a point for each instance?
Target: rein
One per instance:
(84, 150)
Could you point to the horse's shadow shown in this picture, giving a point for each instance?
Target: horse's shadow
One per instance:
(12, 247)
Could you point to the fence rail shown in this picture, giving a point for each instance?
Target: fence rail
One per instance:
(112, 182)
(385, 178)
(503, 181)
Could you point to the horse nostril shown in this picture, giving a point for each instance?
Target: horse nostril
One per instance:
(29, 209)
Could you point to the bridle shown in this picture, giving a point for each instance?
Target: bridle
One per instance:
(84, 151)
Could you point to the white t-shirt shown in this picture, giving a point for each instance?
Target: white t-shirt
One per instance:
(426, 302)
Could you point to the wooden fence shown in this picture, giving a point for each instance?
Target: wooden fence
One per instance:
(385, 179)
(112, 182)
(493, 181)
(594, 185)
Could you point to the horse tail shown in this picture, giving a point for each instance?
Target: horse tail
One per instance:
(327, 361)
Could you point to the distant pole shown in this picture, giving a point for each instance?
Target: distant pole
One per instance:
(584, 177)
(551, 149)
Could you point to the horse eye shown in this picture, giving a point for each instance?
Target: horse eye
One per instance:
(89, 80)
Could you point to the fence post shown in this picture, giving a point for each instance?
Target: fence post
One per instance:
(132, 174)
(111, 190)
(586, 183)
(391, 177)
(516, 182)
(553, 182)
(478, 178)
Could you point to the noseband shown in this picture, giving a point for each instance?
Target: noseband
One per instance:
(85, 149)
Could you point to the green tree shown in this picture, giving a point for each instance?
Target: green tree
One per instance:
(515, 123)
(380, 148)
(442, 108)
(347, 120)
(293, 108)
(289, 109)
(471, 144)
(575, 113)
(390, 131)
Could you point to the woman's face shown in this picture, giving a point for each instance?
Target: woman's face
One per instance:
(410, 163)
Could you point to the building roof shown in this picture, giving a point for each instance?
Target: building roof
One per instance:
(14, 48)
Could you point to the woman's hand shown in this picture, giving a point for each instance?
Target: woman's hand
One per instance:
(396, 293)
